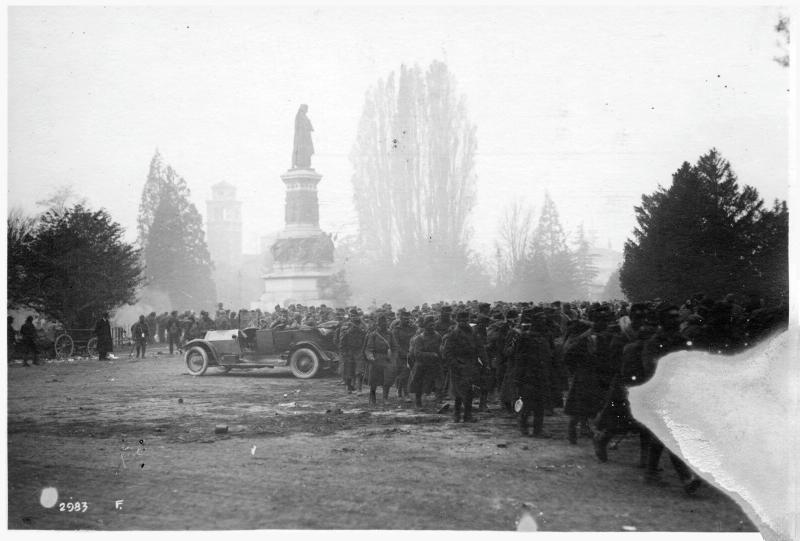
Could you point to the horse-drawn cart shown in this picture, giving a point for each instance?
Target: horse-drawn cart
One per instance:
(82, 342)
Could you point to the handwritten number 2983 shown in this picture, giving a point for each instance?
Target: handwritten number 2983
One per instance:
(73, 507)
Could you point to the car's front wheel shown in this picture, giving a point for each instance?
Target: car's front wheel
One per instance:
(304, 363)
(196, 361)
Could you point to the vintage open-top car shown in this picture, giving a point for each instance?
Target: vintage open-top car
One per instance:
(306, 351)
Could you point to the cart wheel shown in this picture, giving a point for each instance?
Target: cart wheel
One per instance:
(64, 346)
(304, 363)
(196, 361)
(91, 347)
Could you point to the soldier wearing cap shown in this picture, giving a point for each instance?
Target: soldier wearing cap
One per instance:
(381, 353)
(426, 353)
(403, 331)
(102, 330)
(486, 376)
(506, 375)
(529, 347)
(442, 327)
(461, 352)
(351, 340)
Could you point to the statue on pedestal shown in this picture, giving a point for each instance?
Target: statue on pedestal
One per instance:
(303, 147)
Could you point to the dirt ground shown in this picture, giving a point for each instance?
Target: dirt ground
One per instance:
(136, 441)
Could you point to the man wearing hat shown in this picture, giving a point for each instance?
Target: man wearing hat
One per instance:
(173, 332)
(351, 347)
(486, 376)
(381, 353)
(530, 350)
(461, 357)
(442, 327)
(426, 352)
(102, 330)
(506, 376)
(403, 331)
(140, 332)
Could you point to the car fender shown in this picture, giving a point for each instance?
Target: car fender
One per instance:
(213, 358)
(324, 356)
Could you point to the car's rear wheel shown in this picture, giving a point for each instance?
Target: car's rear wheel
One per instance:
(304, 363)
(197, 361)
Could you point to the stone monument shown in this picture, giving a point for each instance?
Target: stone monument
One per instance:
(302, 253)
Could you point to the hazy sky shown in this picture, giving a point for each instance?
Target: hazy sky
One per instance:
(595, 105)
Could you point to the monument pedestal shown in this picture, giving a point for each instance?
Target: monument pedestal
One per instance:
(302, 252)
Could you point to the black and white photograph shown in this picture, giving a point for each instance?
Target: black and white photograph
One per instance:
(446, 268)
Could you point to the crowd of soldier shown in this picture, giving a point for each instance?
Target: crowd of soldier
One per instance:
(537, 358)
(530, 358)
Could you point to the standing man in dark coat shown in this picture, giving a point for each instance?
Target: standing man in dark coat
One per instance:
(403, 331)
(141, 332)
(486, 375)
(495, 343)
(152, 326)
(29, 335)
(508, 386)
(530, 348)
(584, 399)
(173, 332)
(351, 347)
(102, 330)
(615, 417)
(381, 351)
(461, 357)
(426, 352)
(442, 327)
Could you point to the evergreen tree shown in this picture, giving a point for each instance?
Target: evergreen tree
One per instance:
(552, 270)
(174, 247)
(585, 269)
(72, 265)
(705, 234)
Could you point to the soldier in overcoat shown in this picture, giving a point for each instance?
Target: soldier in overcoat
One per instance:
(531, 351)
(380, 352)
(461, 354)
(403, 331)
(102, 330)
(426, 353)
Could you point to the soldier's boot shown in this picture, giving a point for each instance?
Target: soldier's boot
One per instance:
(468, 418)
(385, 395)
(373, 400)
(600, 442)
(572, 430)
(457, 411)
